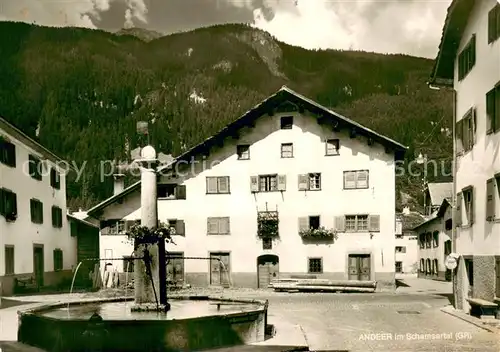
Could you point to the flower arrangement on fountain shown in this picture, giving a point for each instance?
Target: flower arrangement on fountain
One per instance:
(319, 233)
(143, 234)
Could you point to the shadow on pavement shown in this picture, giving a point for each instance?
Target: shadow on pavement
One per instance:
(449, 296)
(401, 283)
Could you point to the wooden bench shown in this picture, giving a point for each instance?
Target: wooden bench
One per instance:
(482, 308)
(25, 283)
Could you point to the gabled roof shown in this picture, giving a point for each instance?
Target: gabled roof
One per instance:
(454, 26)
(439, 191)
(409, 221)
(31, 143)
(74, 218)
(438, 215)
(283, 95)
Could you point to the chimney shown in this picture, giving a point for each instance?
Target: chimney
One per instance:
(406, 210)
(119, 184)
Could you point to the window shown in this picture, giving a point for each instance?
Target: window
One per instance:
(36, 208)
(356, 179)
(8, 204)
(421, 240)
(466, 131)
(332, 147)
(427, 266)
(468, 197)
(116, 227)
(58, 259)
(400, 249)
(356, 223)
(435, 239)
(56, 217)
(218, 226)
(310, 182)
(178, 225)
(469, 269)
(55, 179)
(218, 185)
(7, 153)
(9, 260)
(448, 225)
(422, 265)
(267, 243)
(494, 24)
(35, 166)
(171, 191)
(493, 109)
(286, 122)
(287, 150)
(399, 267)
(435, 267)
(315, 265)
(268, 183)
(314, 222)
(243, 152)
(428, 240)
(467, 58)
(399, 236)
(128, 264)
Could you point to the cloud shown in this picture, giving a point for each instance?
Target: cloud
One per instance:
(61, 13)
(391, 26)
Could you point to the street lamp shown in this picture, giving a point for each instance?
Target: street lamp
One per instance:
(422, 160)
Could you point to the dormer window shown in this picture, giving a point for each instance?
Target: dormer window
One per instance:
(243, 152)
(286, 122)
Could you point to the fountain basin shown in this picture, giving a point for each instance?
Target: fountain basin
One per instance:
(193, 323)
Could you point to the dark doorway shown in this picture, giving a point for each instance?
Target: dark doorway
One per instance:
(267, 269)
(38, 267)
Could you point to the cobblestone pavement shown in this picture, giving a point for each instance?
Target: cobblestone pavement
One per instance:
(360, 322)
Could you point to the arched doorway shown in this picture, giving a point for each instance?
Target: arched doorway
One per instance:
(267, 269)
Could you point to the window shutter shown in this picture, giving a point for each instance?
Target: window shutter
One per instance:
(349, 180)
(254, 184)
(13, 198)
(473, 125)
(211, 184)
(490, 112)
(54, 216)
(459, 136)
(339, 223)
(492, 22)
(471, 208)
(224, 226)
(281, 182)
(180, 228)
(223, 184)
(180, 192)
(465, 134)
(303, 182)
(374, 223)
(303, 223)
(212, 226)
(3, 202)
(490, 199)
(362, 179)
(458, 210)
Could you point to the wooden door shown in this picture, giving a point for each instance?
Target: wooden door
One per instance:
(38, 267)
(219, 269)
(267, 270)
(175, 268)
(359, 267)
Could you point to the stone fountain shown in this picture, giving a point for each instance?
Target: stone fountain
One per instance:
(149, 322)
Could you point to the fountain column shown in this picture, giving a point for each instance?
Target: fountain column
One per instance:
(149, 290)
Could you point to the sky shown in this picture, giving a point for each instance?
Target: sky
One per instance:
(410, 27)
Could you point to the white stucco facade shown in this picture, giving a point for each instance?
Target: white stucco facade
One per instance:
(20, 232)
(241, 205)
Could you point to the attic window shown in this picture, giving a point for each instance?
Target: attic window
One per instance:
(286, 122)
(166, 190)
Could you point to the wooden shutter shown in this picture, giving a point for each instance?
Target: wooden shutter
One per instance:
(490, 199)
(339, 223)
(224, 226)
(303, 223)
(490, 112)
(211, 185)
(212, 226)
(374, 223)
(459, 136)
(180, 192)
(303, 181)
(362, 179)
(349, 179)
(3, 202)
(254, 184)
(180, 228)
(473, 125)
(223, 184)
(492, 24)
(281, 182)
(471, 208)
(458, 215)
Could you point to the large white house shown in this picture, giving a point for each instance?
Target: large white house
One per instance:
(37, 248)
(288, 164)
(469, 62)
